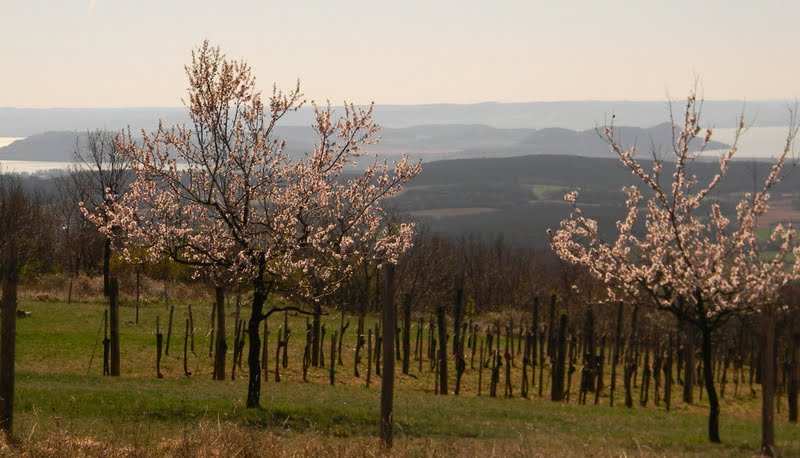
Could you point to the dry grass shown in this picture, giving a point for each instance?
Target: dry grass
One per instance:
(55, 287)
(230, 440)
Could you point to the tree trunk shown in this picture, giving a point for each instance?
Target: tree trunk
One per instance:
(254, 350)
(768, 382)
(8, 337)
(794, 377)
(387, 381)
(221, 346)
(708, 375)
(114, 325)
(107, 267)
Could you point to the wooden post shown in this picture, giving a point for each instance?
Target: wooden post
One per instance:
(236, 337)
(557, 389)
(552, 328)
(541, 360)
(508, 391)
(378, 346)
(278, 355)
(307, 351)
(321, 341)
(458, 338)
(8, 336)
(317, 357)
(287, 333)
(221, 346)
(407, 333)
(458, 315)
(600, 368)
(211, 339)
(645, 386)
(369, 360)
(615, 355)
(688, 354)
(768, 381)
(159, 347)
(138, 290)
(186, 348)
(480, 370)
(387, 381)
(169, 329)
(191, 328)
(114, 327)
(333, 359)
(360, 344)
(442, 353)
(106, 345)
(525, 362)
(668, 374)
(534, 338)
(265, 352)
(342, 328)
(631, 360)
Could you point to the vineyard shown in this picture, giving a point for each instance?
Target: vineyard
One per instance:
(66, 406)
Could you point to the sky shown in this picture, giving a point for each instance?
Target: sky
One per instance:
(131, 53)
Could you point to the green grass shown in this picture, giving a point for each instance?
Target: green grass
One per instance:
(549, 191)
(59, 394)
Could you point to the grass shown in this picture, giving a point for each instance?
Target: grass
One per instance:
(548, 192)
(65, 407)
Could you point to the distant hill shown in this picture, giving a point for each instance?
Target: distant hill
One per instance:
(588, 143)
(49, 146)
(576, 115)
(430, 142)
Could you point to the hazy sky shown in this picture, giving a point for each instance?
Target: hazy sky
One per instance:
(114, 53)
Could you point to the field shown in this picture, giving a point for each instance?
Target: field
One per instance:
(65, 407)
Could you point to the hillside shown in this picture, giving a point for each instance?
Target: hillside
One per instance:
(521, 197)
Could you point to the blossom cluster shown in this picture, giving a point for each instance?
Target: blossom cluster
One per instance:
(223, 196)
(676, 248)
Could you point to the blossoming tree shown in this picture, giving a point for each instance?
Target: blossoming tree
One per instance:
(675, 248)
(222, 196)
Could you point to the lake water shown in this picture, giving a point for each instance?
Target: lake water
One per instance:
(5, 141)
(759, 142)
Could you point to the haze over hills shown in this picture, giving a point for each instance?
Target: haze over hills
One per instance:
(430, 142)
(576, 115)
